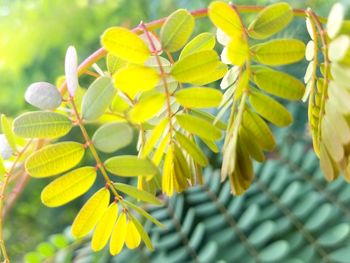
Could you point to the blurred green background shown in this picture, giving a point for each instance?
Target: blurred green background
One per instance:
(34, 35)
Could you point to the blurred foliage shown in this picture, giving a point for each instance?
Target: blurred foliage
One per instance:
(33, 40)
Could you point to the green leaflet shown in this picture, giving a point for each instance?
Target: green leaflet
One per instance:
(144, 236)
(143, 213)
(259, 130)
(112, 136)
(129, 165)
(238, 51)
(54, 159)
(204, 41)
(91, 213)
(114, 63)
(278, 83)
(198, 126)
(6, 129)
(137, 193)
(327, 164)
(330, 138)
(176, 30)
(279, 52)
(125, 44)
(98, 97)
(218, 72)
(335, 20)
(155, 136)
(223, 16)
(147, 107)
(190, 68)
(210, 118)
(250, 145)
(41, 124)
(198, 97)
(271, 20)
(341, 74)
(68, 187)
(270, 109)
(192, 149)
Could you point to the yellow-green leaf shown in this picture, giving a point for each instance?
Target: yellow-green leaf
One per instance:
(104, 228)
(330, 139)
(118, 235)
(198, 97)
(129, 165)
(90, 213)
(97, 98)
(259, 130)
(142, 232)
(190, 68)
(123, 43)
(327, 165)
(279, 52)
(137, 193)
(192, 149)
(6, 129)
(176, 30)
(238, 51)
(223, 16)
(112, 136)
(147, 107)
(133, 238)
(271, 20)
(218, 73)
(114, 63)
(134, 79)
(270, 109)
(198, 126)
(278, 83)
(154, 137)
(41, 124)
(68, 187)
(54, 159)
(204, 41)
(251, 145)
(142, 212)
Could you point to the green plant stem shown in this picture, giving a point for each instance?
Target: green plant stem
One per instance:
(164, 79)
(2, 197)
(94, 153)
